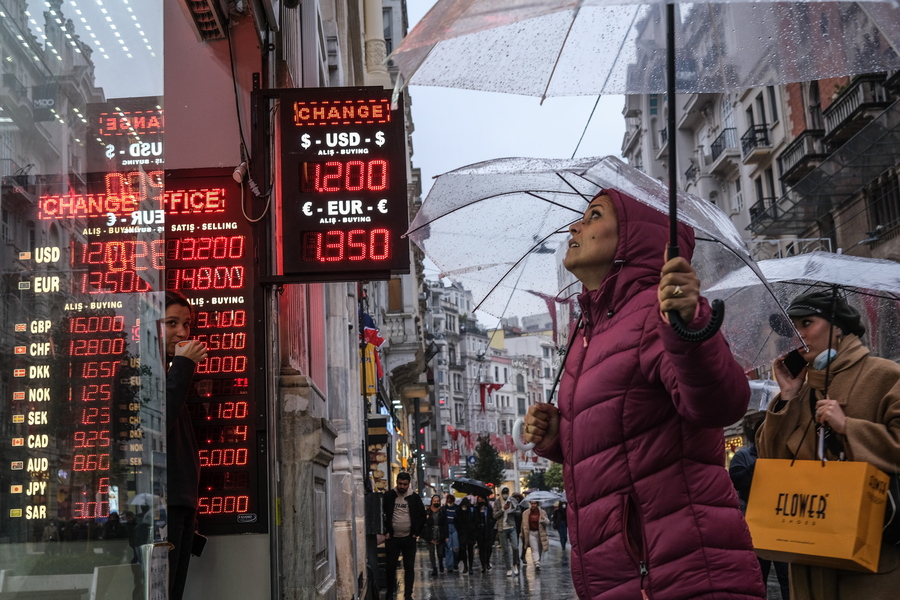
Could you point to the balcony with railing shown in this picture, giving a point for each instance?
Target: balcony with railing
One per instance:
(801, 156)
(861, 101)
(692, 174)
(724, 153)
(755, 144)
(663, 148)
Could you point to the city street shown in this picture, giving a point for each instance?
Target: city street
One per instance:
(553, 581)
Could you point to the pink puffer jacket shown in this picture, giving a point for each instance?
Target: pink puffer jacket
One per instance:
(651, 506)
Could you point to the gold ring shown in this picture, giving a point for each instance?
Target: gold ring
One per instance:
(677, 292)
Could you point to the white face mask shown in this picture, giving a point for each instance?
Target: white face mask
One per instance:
(504, 496)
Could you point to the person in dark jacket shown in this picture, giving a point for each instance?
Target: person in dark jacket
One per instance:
(404, 518)
(468, 535)
(639, 426)
(561, 525)
(435, 533)
(741, 470)
(182, 456)
(485, 532)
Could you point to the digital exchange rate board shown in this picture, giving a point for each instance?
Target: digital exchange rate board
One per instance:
(86, 428)
(344, 184)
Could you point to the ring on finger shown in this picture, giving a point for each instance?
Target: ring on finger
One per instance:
(677, 292)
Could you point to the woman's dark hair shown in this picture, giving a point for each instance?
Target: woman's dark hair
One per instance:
(174, 298)
(435, 496)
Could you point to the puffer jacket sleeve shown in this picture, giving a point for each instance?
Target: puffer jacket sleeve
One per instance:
(707, 385)
(553, 453)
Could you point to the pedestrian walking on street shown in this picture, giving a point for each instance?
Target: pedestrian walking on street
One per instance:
(741, 468)
(561, 525)
(534, 533)
(504, 514)
(465, 529)
(404, 518)
(451, 559)
(852, 399)
(485, 528)
(435, 533)
(639, 426)
(520, 507)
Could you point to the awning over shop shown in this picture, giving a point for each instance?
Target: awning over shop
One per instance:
(868, 154)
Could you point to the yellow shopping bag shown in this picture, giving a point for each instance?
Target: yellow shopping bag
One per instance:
(824, 514)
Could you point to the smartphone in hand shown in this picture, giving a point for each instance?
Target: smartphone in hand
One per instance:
(795, 363)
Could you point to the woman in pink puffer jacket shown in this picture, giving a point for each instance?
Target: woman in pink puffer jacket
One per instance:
(639, 428)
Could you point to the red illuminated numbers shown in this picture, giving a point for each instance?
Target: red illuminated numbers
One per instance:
(112, 282)
(224, 457)
(205, 248)
(339, 176)
(223, 364)
(224, 341)
(92, 439)
(355, 245)
(96, 346)
(127, 255)
(90, 510)
(205, 278)
(96, 324)
(221, 319)
(104, 369)
(94, 393)
(91, 462)
(223, 504)
(95, 416)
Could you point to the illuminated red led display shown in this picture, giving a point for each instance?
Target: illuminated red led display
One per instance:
(91, 439)
(91, 392)
(90, 510)
(224, 457)
(90, 462)
(194, 201)
(205, 278)
(205, 248)
(222, 434)
(95, 416)
(119, 255)
(342, 112)
(111, 282)
(344, 176)
(131, 122)
(105, 324)
(338, 245)
(96, 346)
(209, 411)
(223, 341)
(95, 368)
(214, 505)
(220, 319)
(206, 388)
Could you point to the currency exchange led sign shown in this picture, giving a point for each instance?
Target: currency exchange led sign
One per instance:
(344, 184)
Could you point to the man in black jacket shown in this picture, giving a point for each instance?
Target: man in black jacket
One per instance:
(404, 518)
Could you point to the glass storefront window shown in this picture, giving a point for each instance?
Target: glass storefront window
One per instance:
(82, 374)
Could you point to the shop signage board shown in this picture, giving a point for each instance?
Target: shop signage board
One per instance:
(344, 184)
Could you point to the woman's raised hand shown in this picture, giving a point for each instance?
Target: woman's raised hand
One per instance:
(679, 289)
(541, 425)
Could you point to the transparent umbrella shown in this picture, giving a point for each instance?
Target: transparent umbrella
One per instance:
(500, 228)
(589, 47)
(870, 285)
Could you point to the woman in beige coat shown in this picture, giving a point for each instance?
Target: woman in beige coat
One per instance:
(861, 414)
(534, 532)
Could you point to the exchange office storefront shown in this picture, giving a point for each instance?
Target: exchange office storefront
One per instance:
(93, 232)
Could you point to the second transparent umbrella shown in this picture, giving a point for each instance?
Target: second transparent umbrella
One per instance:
(870, 285)
(500, 228)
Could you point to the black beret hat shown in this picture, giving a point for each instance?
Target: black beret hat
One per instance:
(819, 303)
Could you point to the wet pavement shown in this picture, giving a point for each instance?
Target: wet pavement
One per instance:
(553, 581)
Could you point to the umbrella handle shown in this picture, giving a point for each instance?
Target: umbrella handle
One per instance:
(701, 335)
(517, 436)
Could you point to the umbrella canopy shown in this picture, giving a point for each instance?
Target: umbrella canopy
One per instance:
(472, 487)
(542, 497)
(872, 286)
(589, 47)
(144, 499)
(501, 229)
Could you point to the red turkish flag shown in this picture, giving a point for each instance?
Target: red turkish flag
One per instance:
(487, 389)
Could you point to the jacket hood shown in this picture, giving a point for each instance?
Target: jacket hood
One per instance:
(643, 236)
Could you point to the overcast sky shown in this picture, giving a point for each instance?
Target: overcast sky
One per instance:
(454, 128)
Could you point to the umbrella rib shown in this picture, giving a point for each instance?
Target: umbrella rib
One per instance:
(491, 197)
(510, 270)
(569, 183)
(561, 48)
